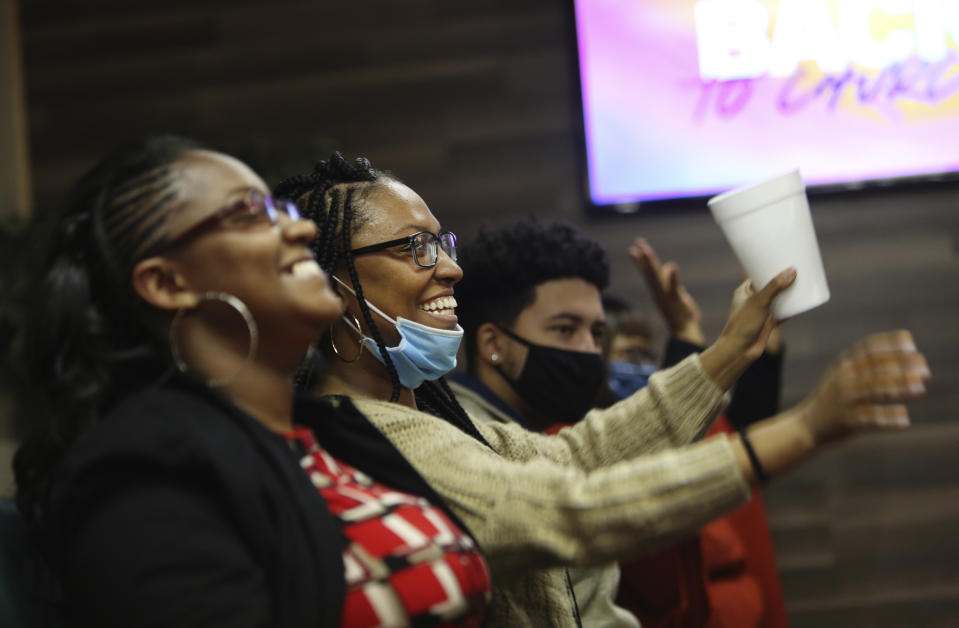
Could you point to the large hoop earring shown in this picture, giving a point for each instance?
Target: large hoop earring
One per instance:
(241, 309)
(359, 342)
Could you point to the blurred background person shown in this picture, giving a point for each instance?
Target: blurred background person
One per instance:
(726, 575)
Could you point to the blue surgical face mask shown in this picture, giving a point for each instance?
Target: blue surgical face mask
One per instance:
(625, 378)
(424, 353)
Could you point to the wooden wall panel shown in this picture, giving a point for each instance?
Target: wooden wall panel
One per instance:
(471, 103)
(16, 197)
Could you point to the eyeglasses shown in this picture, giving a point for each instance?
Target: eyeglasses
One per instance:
(422, 244)
(254, 209)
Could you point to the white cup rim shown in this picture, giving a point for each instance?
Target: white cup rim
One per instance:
(753, 196)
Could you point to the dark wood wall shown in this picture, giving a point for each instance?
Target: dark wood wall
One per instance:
(472, 104)
(15, 197)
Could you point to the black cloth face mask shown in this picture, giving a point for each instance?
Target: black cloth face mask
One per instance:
(558, 384)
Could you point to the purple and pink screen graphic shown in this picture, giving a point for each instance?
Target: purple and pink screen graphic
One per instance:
(688, 98)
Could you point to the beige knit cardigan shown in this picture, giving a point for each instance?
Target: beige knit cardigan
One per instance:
(620, 482)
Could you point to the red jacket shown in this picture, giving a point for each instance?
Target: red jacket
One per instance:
(724, 577)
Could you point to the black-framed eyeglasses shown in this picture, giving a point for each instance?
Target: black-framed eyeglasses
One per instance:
(255, 208)
(423, 245)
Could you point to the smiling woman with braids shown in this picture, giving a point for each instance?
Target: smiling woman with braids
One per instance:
(340, 193)
(622, 480)
(172, 476)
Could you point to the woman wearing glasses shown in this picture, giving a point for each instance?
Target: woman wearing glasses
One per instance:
(176, 480)
(622, 480)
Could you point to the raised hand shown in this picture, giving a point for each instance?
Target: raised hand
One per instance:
(864, 389)
(745, 335)
(743, 292)
(675, 304)
(750, 324)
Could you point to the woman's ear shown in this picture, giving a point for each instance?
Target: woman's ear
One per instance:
(159, 282)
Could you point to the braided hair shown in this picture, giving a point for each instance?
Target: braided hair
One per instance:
(321, 198)
(84, 339)
(333, 195)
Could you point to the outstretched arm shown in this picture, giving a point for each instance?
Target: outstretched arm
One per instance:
(529, 505)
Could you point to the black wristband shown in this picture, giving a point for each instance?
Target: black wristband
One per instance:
(761, 476)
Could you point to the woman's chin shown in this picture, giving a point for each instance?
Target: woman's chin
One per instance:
(328, 303)
(320, 317)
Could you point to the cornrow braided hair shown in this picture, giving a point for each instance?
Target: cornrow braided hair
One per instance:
(358, 288)
(337, 216)
(85, 340)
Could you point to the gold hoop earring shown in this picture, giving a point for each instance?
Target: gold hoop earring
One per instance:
(359, 342)
(241, 309)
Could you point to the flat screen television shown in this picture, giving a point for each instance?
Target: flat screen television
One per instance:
(687, 98)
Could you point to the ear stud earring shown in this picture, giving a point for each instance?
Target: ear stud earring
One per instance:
(494, 357)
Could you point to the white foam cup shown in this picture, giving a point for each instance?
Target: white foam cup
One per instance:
(769, 227)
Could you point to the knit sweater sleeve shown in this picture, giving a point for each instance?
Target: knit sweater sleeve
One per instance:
(538, 512)
(677, 407)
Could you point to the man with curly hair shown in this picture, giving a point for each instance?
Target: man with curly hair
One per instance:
(530, 304)
(534, 320)
(531, 309)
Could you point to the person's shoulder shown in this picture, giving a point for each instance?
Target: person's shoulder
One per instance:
(379, 410)
(175, 392)
(334, 417)
(163, 425)
(174, 435)
(337, 406)
(167, 409)
(395, 419)
(365, 402)
(479, 402)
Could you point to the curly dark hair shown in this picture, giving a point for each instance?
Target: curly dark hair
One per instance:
(85, 338)
(334, 196)
(503, 265)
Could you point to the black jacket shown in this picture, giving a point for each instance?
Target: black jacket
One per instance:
(179, 509)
